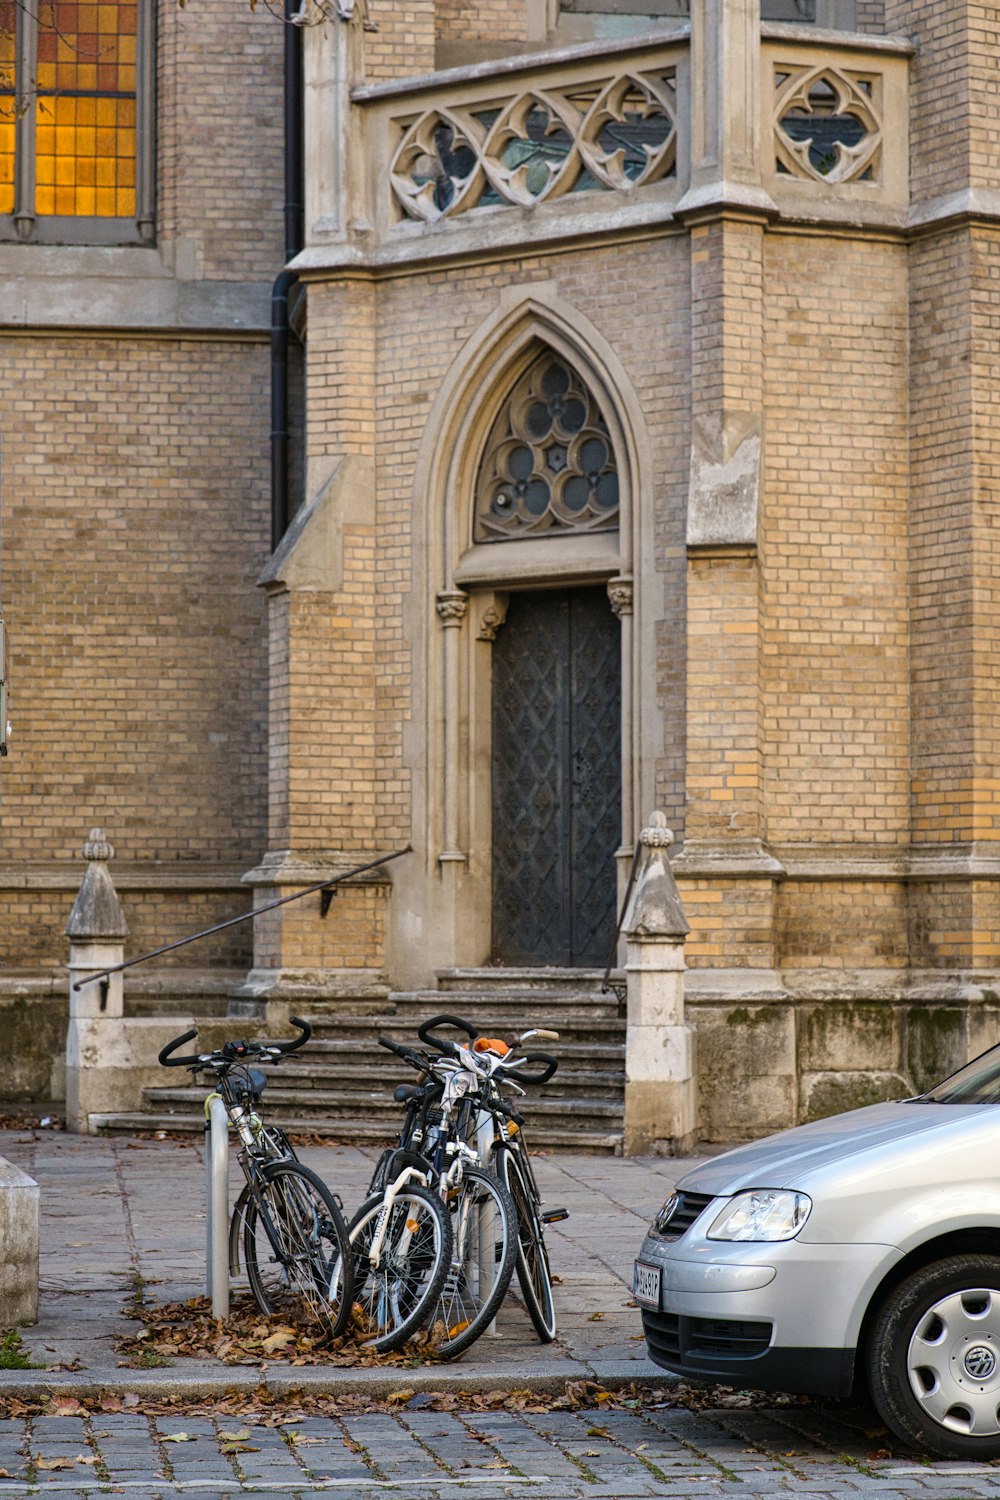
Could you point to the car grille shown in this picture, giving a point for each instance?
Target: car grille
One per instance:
(689, 1207)
(724, 1338)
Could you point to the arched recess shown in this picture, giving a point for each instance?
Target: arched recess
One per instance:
(460, 592)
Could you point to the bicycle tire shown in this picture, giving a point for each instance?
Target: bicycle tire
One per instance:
(296, 1246)
(533, 1271)
(393, 1298)
(484, 1249)
(273, 1145)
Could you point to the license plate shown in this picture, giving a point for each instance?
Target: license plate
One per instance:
(646, 1285)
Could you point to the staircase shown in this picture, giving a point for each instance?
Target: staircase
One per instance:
(340, 1086)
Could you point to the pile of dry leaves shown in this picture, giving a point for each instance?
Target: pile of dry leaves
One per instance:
(187, 1330)
(270, 1409)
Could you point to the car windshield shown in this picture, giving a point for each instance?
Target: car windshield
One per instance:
(977, 1083)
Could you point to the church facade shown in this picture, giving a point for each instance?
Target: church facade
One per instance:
(646, 415)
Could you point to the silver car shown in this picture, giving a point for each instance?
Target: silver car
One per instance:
(862, 1251)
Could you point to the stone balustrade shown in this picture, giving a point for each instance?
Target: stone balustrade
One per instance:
(563, 134)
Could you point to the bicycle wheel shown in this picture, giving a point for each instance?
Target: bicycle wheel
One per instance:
(394, 1293)
(484, 1247)
(296, 1247)
(533, 1271)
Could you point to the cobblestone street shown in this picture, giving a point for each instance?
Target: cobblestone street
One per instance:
(724, 1452)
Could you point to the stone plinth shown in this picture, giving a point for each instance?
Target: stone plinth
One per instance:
(19, 1204)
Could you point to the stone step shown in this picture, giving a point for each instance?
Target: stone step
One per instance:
(323, 1053)
(515, 1008)
(491, 980)
(305, 1080)
(604, 1140)
(361, 1103)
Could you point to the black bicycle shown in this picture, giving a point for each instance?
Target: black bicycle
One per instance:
(295, 1242)
(459, 1126)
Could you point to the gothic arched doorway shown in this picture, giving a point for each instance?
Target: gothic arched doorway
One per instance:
(556, 778)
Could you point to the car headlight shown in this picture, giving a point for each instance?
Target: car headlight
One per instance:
(762, 1214)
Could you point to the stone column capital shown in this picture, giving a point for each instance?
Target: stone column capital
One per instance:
(452, 607)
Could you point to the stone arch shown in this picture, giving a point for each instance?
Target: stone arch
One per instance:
(458, 595)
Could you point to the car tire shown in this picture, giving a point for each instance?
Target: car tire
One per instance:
(934, 1358)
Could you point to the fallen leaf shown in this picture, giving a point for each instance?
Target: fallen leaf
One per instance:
(598, 1432)
(399, 1397)
(597, 1317)
(87, 1458)
(236, 1437)
(65, 1406)
(178, 1437)
(54, 1463)
(280, 1339)
(497, 1463)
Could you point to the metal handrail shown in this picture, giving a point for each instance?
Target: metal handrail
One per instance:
(322, 885)
(618, 990)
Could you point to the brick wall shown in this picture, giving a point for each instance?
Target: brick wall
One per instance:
(403, 44)
(135, 508)
(834, 542)
(216, 193)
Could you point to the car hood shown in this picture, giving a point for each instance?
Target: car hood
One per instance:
(788, 1159)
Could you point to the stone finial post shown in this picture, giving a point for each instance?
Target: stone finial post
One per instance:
(660, 1106)
(96, 930)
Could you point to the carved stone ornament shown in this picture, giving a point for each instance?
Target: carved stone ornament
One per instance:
(97, 846)
(614, 132)
(452, 607)
(620, 595)
(493, 617)
(827, 123)
(656, 835)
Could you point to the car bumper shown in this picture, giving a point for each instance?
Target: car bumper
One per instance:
(762, 1316)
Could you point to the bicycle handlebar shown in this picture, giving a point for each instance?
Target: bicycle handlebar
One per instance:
(305, 1032)
(167, 1058)
(549, 1066)
(425, 1031)
(231, 1051)
(406, 1053)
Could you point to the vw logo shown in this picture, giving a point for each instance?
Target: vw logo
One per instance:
(980, 1362)
(667, 1212)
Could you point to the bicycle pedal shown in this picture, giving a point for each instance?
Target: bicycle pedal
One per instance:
(555, 1216)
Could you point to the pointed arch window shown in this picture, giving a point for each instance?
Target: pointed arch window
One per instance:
(549, 466)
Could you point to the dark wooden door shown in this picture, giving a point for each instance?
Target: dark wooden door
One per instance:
(556, 778)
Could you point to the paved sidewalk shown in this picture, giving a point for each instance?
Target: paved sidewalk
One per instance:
(120, 1214)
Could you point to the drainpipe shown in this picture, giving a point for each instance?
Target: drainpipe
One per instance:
(281, 290)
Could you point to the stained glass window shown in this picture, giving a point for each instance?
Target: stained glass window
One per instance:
(74, 92)
(549, 464)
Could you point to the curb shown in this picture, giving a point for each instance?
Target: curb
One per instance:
(378, 1383)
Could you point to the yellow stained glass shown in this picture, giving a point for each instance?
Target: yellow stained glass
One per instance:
(85, 131)
(6, 155)
(8, 106)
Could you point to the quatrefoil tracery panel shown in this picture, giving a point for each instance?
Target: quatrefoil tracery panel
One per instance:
(615, 134)
(827, 124)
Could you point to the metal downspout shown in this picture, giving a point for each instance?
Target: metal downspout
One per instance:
(286, 280)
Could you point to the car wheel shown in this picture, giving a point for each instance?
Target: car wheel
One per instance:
(934, 1365)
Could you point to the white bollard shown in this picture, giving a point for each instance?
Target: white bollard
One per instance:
(217, 1209)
